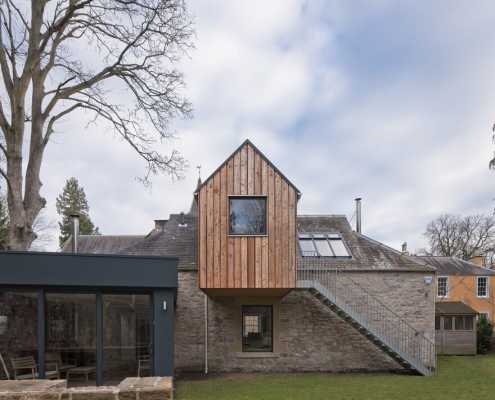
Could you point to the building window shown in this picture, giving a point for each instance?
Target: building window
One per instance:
(447, 323)
(257, 329)
(322, 245)
(463, 323)
(442, 286)
(482, 286)
(437, 323)
(247, 215)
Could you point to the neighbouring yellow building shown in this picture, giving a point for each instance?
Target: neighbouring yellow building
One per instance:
(466, 281)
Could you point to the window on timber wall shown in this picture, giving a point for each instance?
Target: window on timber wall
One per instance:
(257, 332)
(247, 215)
(442, 286)
(482, 286)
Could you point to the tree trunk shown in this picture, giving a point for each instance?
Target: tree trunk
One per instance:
(23, 210)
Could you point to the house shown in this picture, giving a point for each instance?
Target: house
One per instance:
(263, 288)
(464, 281)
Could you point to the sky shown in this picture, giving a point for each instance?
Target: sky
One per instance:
(390, 101)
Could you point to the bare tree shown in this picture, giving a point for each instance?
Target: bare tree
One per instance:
(463, 237)
(44, 228)
(134, 45)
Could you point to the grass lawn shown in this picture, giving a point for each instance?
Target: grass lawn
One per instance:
(458, 378)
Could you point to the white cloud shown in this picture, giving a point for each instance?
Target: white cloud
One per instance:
(391, 102)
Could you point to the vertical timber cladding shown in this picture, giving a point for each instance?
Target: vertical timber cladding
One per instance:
(264, 262)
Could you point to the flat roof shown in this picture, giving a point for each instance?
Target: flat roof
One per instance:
(87, 270)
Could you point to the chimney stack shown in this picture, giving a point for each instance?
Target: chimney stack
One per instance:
(358, 214)
(404, 249)
(75, 232)
(160, 224)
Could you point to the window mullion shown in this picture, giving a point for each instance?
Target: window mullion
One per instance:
(315, 247)
(330, 245)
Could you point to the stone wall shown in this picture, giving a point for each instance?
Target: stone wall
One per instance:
(307, 335)
(189, 324)
(152, 388)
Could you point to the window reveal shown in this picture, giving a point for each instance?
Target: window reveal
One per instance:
(247, 215)
(257, 331)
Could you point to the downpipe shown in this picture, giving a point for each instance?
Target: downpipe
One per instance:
(206, 334)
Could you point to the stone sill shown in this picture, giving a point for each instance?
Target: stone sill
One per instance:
(257, 355)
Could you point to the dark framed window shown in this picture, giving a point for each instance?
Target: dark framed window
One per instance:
(322, 245)
(257, 329)
(247, 215)
(463, 323)
(447, 323)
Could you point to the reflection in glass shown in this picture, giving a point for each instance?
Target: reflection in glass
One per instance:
(18, 327)
(247, 216)
(126, 336)
(307, 247)
(257, 329)
(339, 248)
(323, 248)
(71, 334)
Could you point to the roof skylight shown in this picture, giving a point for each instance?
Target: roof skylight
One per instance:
(322, 245)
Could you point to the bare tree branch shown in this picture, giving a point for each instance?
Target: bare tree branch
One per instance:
(462, 237)
(134, 44)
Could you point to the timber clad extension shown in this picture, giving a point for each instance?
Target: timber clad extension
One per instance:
(241, 261)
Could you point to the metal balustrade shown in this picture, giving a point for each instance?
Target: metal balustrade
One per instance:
(375, 320)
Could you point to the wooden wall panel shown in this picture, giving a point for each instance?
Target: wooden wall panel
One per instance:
(263, 262)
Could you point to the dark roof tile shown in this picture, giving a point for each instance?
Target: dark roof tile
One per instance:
(367, 254)
(453, 307)
(102, 244)
(453, 266)
(177, 238)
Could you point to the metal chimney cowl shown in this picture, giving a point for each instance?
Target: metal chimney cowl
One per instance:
(75, 232)
(358, 214)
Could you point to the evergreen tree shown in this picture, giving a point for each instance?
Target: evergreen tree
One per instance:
(484, 335)
(72, 200)
(4, 221)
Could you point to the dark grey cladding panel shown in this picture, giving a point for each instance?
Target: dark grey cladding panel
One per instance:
(58, 269)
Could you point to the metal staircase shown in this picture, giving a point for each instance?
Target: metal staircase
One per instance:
(374, 320)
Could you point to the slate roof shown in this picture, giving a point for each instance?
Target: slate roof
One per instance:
(102, 244)
(366, 253)
(453, 307)
(453, 266)
(176, 237)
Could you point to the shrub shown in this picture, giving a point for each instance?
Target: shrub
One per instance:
(484, 334)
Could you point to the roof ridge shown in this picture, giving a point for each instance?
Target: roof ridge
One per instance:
(321, 215)
(117, 235)
(249, 143)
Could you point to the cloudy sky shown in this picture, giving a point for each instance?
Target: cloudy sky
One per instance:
(391, 101)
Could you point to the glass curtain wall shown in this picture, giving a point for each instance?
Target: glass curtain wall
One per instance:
(126, 336)
(71, 334)
(18, 330)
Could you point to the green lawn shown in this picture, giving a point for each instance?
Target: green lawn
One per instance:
(458, 378)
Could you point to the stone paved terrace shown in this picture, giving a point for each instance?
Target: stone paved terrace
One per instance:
(152, 388)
